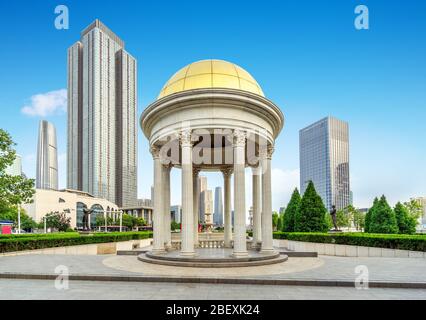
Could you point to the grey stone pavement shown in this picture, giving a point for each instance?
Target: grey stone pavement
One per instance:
(321, 268)
(328, 268)
(87, 290)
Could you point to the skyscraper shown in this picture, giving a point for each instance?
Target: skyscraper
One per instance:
(324, 159)
(218, 207)
(47, 157)
(102, 121)
(202, 188)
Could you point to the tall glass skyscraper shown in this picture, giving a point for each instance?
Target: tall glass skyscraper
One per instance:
(47, 157)
(218, 207)
(102, 120)
(324, 159)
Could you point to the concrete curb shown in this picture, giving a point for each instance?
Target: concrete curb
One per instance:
(212, 280)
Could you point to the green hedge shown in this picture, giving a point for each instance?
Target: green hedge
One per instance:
(19, 243)
(401, 242)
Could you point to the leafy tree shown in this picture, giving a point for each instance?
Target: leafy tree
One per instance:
(383, 218)
(174, 225)
(415, 208)
(312, 214)
(359, 219)
(11, 213)
(57, 220)
(342, 219)
(369, 214)
(291, 212)
(406, 222)
(275, 218)
(14, 190)
(280, 222)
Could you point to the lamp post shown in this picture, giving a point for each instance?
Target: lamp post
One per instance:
(19, 218)
(106, 217)
(45, 224)
(121, 219)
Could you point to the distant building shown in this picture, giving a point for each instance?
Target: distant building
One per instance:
(16, 168)
(202, 187)
(142, 208)
(422, 219)
(47, 157)
(102, 116)
(71, 202)
(324, 160)
(218, 207)
(176, 213)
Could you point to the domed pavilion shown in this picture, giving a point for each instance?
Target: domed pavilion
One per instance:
(212, 115)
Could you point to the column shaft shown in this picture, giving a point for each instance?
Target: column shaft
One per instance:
(158, 242)
(240, 245)
(267, 241)
(257, 227)
(227, 205)
(167, 218)
(187, 232)
(195, 199)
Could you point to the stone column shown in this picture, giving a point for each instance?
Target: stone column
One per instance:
(195, 199)
(240, 245)
(187, 233)
(227, 206)
(257, 226)
(167, 218)
(158, 243)
(267, 242)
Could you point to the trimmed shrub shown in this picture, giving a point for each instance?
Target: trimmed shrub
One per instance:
(401, 242)
(19, 243)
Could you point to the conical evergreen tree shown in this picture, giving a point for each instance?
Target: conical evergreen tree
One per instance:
(406, 223)
(291, 212)
(383, 219)
(369, 214)
(312, 214)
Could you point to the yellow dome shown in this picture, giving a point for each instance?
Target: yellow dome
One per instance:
(211, 74)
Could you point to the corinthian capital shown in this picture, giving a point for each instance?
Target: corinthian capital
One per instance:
(155, 151)
(239, 138)
(185, 138)
(227, 172)
(266, 152)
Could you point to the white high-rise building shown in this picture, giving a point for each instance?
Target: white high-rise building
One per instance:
(202, 188)
(324, 160)
(47, 157)
(102, 117)
(218, 207)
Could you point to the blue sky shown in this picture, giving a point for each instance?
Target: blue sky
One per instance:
(306, 55)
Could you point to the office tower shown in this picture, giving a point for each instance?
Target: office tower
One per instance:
(208, 206)
(202, 187)
(15, 169)
(102, 120)
(218, 207)
(324, 159)
(47, 157)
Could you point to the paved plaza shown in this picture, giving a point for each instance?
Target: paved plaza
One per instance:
(82, 290)
(323, 268)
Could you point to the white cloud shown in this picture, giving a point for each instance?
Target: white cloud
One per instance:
(46, 104)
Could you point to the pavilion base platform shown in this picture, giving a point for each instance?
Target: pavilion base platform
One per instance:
(213, 258)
